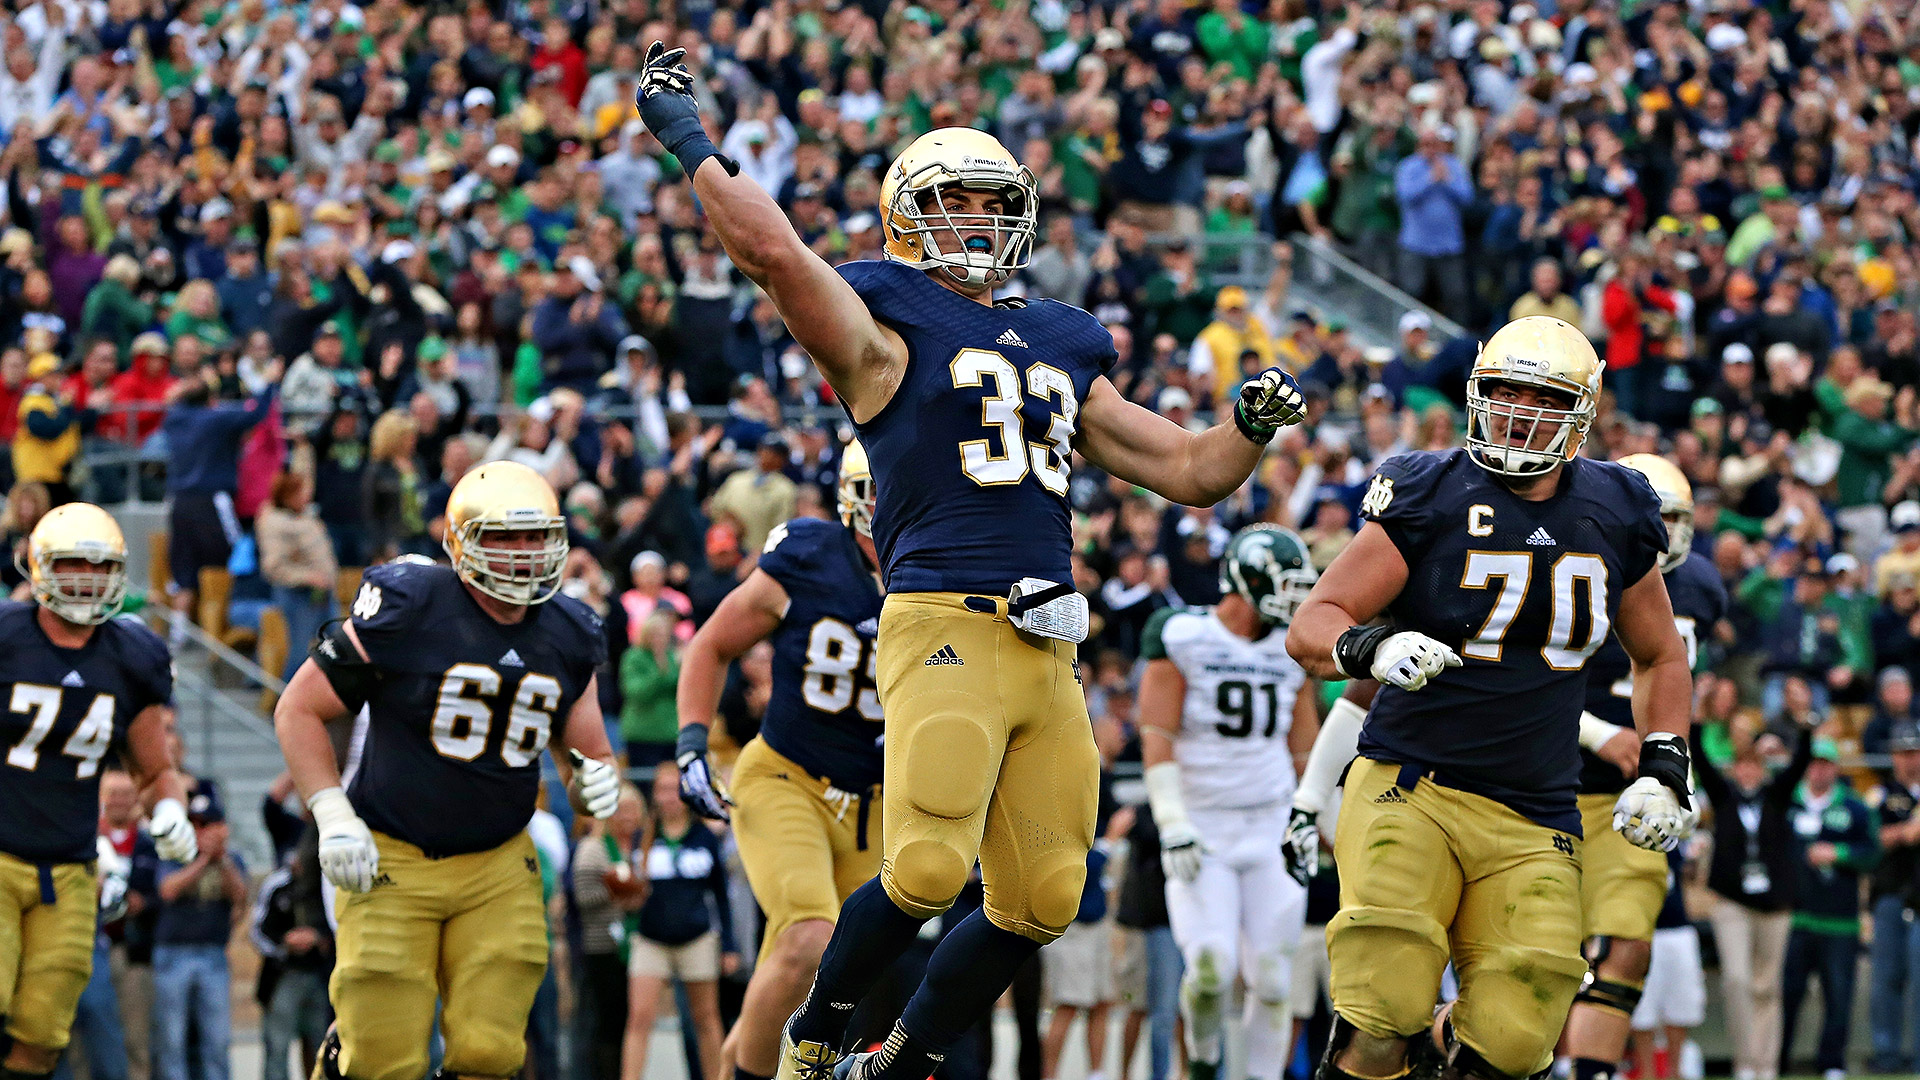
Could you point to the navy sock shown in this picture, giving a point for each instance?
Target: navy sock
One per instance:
(742, 1074)
(870, 935)
(967, 973)
(1591, 1069)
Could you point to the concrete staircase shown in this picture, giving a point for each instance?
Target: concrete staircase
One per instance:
(229, 740)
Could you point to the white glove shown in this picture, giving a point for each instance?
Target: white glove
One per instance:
(1180, 852)
(112, 870)
(1650, 816)
(173, 836)
(597, 783)
(347, 854)
(1409, 658)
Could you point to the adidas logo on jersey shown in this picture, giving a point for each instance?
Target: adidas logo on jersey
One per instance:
(1391, 795)
(512, 659)
(946, 655)
(1541, 539)
(73, 679)
(1009, 338)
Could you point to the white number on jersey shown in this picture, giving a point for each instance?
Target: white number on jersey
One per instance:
(1515, 570)
(834, 653)
(88, 743)
(1001, 409)
(464, 717)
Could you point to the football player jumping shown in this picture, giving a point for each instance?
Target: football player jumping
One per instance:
(1622, 887)
(970, 411)
(464, 672)
(1223, 701)
(803, 790)
(78, 683)
(1502, 567)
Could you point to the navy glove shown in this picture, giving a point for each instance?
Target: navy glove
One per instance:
(665, 100)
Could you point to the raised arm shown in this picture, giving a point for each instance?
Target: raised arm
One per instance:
(862, 360)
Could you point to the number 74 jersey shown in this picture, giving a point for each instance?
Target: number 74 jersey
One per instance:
(1232, 747)
(463, 708)
(1525, 592)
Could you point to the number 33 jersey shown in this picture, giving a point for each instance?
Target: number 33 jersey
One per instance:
(1232, 747)
(824, 712)
(1525, 592)
(64, 709)
(970, 455)
(463, 708)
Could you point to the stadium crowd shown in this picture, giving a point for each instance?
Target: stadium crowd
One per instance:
(314, 261)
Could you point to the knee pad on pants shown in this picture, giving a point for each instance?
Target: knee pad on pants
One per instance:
(1408, 949)
(1271, 973)
(1514, 1005)
(949, 769)
(493, 1051)
(1055, 899)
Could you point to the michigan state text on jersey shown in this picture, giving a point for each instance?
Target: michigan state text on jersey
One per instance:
(804, 791)
(1224, 713)
(1499, 570)
(989, 752)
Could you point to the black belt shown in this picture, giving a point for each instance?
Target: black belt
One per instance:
(1019, 605)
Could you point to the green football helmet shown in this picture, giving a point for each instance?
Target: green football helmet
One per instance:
(1268, 567)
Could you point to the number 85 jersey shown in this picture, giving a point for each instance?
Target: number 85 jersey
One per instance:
(1525, 592)
(824, 712)
(463, 707)
(970, 455)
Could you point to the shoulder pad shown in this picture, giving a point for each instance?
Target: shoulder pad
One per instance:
(1401, 494)
(391, 599)
(1153, 639)
(589, 627)
(144, 654)
(793, 549)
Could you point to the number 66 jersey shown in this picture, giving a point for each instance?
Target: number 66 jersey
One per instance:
(463, 707)
(1525, 592)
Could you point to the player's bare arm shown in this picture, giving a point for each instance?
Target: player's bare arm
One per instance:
(746, 617)
(1162, 689)
(1363, 579)
(588, 769)
(1662, 684)
(148, 761)
(309, 703)
(1306, 726)
(862, 360)
(1149, 450)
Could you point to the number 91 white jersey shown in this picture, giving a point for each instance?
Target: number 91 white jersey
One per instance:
(1232, 746)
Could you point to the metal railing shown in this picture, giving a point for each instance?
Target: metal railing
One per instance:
(1371, 304)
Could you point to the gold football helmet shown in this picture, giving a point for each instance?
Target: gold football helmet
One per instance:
(1546, 353)
(1676, 504)
(499, 498)
(855, 491)
(919, 232)
(68, 534)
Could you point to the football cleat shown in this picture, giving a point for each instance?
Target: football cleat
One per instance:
(855, 491)
(76, 562)
(1676, 504)
(805, 1060)
(487, 506)
(917, 229)
(1548, 354)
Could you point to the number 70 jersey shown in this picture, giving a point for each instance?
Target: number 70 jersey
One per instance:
(1525, 592)
(970, 456)
(463, 708)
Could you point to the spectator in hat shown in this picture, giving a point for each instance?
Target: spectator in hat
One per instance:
(1153, 156)
(48, 438)
(1434, 192)
(1904, 558)
(1233, 332)
(145, 383)
(1804, 630)
(1838, 841)
(1893, 707)
(1895, 949)
(1179, 300)
(246, 292)
(1868, 439)
(575, 329)
(206, 257)
(201, 904)
(759, 497)
(314, 380)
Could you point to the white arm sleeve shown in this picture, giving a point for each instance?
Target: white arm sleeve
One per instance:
(1595, 732)
(1338, 742)
(1163, 795)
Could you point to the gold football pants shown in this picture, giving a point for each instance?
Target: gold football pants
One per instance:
(467, 930)
(1432, 873)
(803, 853)
(46, 947)
(1622, 887)
(989, 755)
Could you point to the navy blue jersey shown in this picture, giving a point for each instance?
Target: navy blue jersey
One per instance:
(463, 708)
(1525, 592)
(64, 710)
(1699, 601)
(970, 455)
(824, 713)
